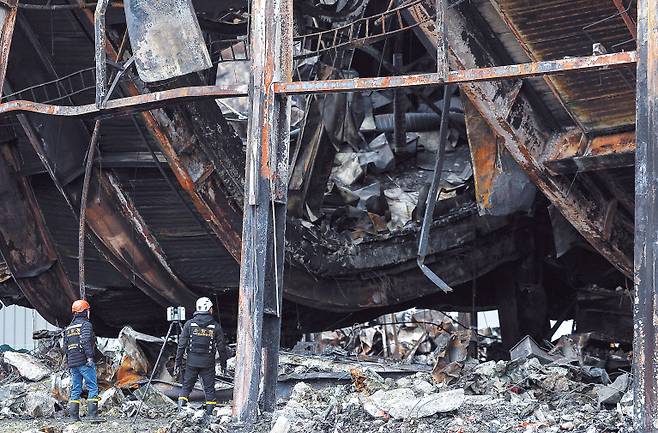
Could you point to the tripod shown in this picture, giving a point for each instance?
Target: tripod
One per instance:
(155, 367)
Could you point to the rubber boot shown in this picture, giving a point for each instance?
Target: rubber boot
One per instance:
(74, 411)
(182, 402)
(92, 411)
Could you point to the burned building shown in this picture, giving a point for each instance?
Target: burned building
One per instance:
(531, 208)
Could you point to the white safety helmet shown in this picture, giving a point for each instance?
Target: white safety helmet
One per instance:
(203, 304)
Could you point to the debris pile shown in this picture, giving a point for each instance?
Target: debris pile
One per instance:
(379, 173)
(416, 336)
(520, 395)
(564, 389)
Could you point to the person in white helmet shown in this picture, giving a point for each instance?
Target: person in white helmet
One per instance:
(202, 336)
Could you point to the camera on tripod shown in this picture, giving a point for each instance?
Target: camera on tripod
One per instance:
(175, 314)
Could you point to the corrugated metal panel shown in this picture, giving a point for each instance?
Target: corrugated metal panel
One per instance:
(601, 101)
(18, 324)
(194, 254)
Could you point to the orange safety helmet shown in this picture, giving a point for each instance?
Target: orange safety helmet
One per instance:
(80, 306)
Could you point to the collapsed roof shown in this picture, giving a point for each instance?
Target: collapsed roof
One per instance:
(538, 171)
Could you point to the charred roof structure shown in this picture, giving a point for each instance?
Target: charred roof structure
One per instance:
(310, 165)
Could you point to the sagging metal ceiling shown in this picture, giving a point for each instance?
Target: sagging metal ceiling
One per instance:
(325, 272)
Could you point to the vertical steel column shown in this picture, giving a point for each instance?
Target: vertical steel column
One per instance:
(645, 344)
(442, 65)
(261, 271)
(100, 39)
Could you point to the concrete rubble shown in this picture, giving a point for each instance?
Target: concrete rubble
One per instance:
(338, 390)
(27, 365)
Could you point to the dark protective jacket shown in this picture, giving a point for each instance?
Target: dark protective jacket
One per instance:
(79, 341)
(202, 336)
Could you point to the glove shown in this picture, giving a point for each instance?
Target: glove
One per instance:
(90, 362)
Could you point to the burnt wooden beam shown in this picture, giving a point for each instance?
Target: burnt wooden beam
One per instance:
(27, 247)
(512, 116)
(576, 153)
(645, 309)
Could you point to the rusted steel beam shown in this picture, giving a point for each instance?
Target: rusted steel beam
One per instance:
(645, 341)
(128, 105)
(266, 190)
(9, 11)
(149, 101)
(511, 115)
(578, 154)
(484, 149)
(459, 76)
(26, 245)
(623, 11)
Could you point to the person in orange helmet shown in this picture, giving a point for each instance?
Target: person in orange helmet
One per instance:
(79, 343)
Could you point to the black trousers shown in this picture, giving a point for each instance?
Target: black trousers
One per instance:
(207, 375)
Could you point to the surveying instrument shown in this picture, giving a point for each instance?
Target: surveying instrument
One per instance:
(175, 315)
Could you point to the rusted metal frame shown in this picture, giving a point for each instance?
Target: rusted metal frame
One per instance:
(645, 310)
(128, 105)
(149, 101)
(522, 138)
(460, 76)
(579, 164)
(274, 282)
(525, 136)
(433, 194)
(206, 197)
(27, 246)
(368, 38)
(266, 185)
(623, 11)
(6, 33)
(256, 228)
(99, 52)
(575, 153)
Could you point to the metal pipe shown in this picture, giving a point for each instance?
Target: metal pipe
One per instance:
(83, 209)
(432, 195)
